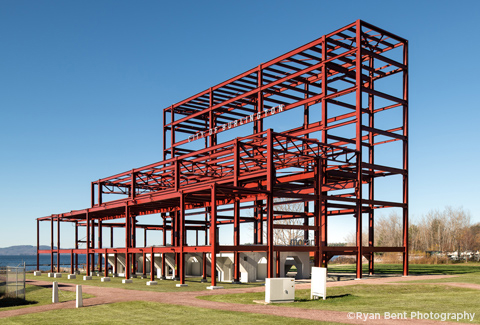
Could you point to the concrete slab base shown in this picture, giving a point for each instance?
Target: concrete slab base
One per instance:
(72, 276)
(127, 281)
(50, 274)
(214, 287)
(114, 275)
(152, 283)
(57, 275)
(87, 277)
(37, 273)
(181, 285)
(105, 279)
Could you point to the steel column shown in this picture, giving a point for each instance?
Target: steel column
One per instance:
(213, 233)
(405, 160)
(38, 244)
(358, 143)
(127, 242)
(270, 207)
(152, 265)
(181, 215)
(87, 216)
(51, 245)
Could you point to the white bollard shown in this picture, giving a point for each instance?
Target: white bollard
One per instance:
(79, 296)
(55, 292)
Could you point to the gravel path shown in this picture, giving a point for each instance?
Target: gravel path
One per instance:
(113, 295)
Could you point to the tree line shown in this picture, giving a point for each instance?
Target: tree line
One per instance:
(448, 230)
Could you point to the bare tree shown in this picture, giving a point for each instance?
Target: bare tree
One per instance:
(287, 236)
(389, 231)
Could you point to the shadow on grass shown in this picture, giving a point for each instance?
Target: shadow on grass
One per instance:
(331, 298)
(11, 302)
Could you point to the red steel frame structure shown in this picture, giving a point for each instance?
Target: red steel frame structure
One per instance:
(328, 162)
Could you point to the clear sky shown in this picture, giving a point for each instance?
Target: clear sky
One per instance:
(83, 85)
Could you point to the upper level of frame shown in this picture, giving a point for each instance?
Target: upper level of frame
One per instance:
(321, 70)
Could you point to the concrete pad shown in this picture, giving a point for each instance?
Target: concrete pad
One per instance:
(37, 273)
(87, 277)
(105, 279)
(152, 283)
(127, 281)
(51, 274)
(57, 275)
(214, 287)
(72, 276)
(181, 285)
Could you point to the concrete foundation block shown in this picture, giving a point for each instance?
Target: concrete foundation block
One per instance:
(152, 283)
(87, 277)
(37, 273)
(181, 285)
(127, 281)
(50, 274)
(105, 279)
(214, 287)
(57, 275)
(72, 276)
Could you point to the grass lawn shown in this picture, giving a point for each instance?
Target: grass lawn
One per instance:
(151, 312)
(194, 284)
(378, 299)
(414, 269)
(35, 296)
(463, 278)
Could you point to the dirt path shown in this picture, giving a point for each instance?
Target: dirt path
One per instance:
(113, 295)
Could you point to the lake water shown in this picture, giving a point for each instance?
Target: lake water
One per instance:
(31, 261)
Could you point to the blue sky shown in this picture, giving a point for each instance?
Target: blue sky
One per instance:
(83, 85)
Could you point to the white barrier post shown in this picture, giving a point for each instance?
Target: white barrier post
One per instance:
(55, 292)
(319, 283)
(79, 297)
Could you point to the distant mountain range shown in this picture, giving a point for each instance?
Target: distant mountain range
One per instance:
(22, 250)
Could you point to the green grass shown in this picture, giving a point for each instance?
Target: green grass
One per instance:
(194, 284)
(473, 278)
(151, 312)
(378, 299)
(414, 269)
(36, 296)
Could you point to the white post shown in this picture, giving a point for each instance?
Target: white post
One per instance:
(79, 296)
(55, 292)
(319, 283)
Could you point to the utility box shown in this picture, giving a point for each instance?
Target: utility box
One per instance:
(279, 290)
(319, 283)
